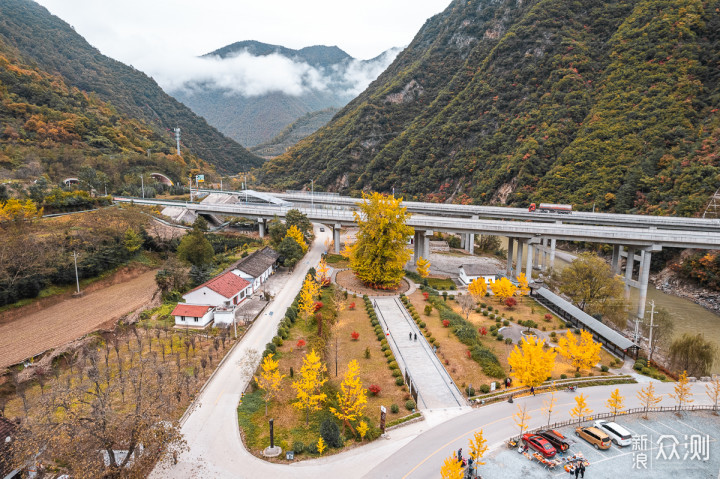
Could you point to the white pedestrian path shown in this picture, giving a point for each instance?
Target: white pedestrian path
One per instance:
(415, 355)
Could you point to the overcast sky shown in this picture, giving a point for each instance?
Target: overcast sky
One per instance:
(161, 37)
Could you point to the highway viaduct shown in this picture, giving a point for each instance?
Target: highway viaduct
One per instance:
(635, 239)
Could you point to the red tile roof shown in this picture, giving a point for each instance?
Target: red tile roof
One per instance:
(191, 310)
(227, 284)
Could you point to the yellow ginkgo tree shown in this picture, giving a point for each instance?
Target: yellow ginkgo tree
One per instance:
(477, 289)
(531, 362)
(308, 293)
(295, 233)
(581, 408)
(523, 287)
(503, 289)
(451, 468)
(648, 398)
(477, 447)
(379, 255)
(423, 267)
(352, 397)
(682, 393)
(308, 388)
(321, 272)
(582, 352)
(269, 379)
(616, 403)
(521, 417)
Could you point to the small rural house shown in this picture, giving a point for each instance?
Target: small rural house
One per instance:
(192, 315)
(470, 272)
(257, 267)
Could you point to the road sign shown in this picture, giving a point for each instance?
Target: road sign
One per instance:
(383, 412)
(200, 178)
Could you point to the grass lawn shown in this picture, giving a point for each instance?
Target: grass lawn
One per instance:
(454, 354)
(337, 261)
(290, 426)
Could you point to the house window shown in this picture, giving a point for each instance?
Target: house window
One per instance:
(196, 319)
(182, 318)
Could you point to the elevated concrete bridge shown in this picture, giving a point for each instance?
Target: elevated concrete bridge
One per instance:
(538, 238)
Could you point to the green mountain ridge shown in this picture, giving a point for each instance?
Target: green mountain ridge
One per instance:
(43, 40)
(316, 55)
(609, 104)
(294, 132)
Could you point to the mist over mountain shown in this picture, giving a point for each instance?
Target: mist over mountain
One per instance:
(251, 91)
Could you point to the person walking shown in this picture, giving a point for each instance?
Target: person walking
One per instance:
(582, 470)
(577, 471)
(532, 390)
(459, 455)
(415, 336)
(410, 334)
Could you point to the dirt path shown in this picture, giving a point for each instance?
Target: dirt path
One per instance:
(71, 319)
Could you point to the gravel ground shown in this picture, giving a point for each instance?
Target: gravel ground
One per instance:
(619, 462)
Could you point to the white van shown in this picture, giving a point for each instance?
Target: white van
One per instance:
(619, 435)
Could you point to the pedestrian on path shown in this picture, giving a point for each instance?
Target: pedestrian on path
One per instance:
(577, 471)
(532, 390)
(415, 336)
(410, 334)
(582, 470)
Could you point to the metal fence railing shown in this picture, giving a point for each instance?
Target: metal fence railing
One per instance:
(605, 415)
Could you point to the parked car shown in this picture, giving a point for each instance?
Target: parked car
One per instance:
(556, 439)
(618, 434)
(540, 444)
(594, 436)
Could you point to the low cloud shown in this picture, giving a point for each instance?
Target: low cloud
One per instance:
(249, 75)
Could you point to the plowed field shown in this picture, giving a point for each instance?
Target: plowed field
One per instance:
(71, 319)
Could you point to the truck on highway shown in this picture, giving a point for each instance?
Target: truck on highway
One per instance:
(551, 208)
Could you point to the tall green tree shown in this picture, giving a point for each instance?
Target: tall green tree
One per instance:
(296, 218)
(381, 251)
(694, 354)
(195, 249)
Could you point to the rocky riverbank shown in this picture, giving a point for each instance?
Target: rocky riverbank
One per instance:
(668, 282)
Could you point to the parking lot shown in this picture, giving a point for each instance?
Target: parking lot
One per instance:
(664, 446)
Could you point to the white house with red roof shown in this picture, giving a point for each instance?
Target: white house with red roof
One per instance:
(222, 293)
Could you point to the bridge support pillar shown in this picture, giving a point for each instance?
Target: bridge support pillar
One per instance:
(509, 267)
(416, 247)
(529, 261)
(261, 227)
(552, 254)
(616, 257)
(629, 266)
(536, 255)
(426, 244)
(336, 238)
(519, 257)
(463, 240)
(471, 243)
(644, 278)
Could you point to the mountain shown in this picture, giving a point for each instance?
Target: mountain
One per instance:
(612, 104)
(47, 42)
(251, 91)
(294, 132)
(50, 128)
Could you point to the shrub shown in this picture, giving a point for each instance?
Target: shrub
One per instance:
(383, 342)
(367, 352)
(312, 448)
(661, 377)
(493, 332)
(355, 335)
(646, 371)
(452, 296)
(510, 302)
(482, 331)
(383, 347)
(352, 306)
(396, 373)
(548, 317)
(577, 375)
(604, 368)
(553, 334)
(638, 366)
(508, 341)
(426, 295)
(488, 361)
(387, 353)
(485, 313)
(492, 315)
(399, 381)
(394, 408)
(330, 432)
(493, 328)
(446, 323)
(421, 324)
(431, 339)
(466, 333)
(393, 365)
(506, 323)
(484, 388)
(409, 404)
(577, 331)
(272, 347)
(374, 389)
(298, 447)
(563, 376)
(483, 305)
(428, 310)
(318, 305)
(277, 340)
(470, 391)
(499, 337)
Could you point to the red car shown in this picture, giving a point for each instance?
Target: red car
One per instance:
(540, 444)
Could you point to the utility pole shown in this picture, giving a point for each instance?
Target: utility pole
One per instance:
(177, 140)
(190, 185)
(637, 330)
(652, 319)
(336, 354)
(312, 194)
(142, 185)
(77, 278)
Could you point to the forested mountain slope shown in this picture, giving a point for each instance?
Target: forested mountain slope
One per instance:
(49, 128)
(606, 103)
(44, 40)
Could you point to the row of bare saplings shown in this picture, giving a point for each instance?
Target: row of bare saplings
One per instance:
(110, 408)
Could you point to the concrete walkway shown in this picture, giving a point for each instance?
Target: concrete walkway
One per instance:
(436, 387)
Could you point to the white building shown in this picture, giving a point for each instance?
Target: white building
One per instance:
(225, 287)
(192, 315)
(471, 272)
(257, 267)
